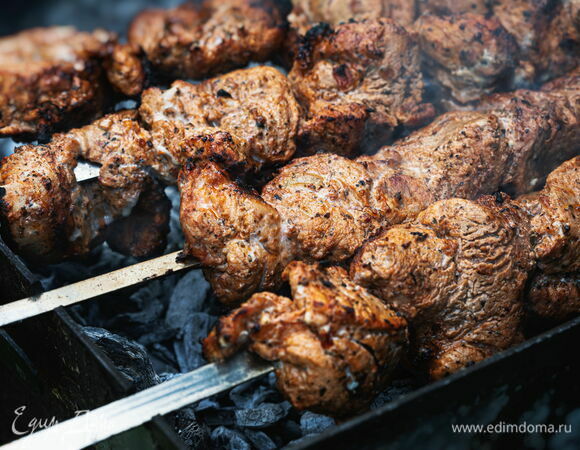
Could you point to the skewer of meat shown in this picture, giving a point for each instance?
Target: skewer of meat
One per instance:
(324, 207)
(457, 273)
(246, 120)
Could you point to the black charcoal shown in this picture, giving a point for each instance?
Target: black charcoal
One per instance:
(311, 423)
(227, 439)
(251, 394)
(187, 298)
(188, 350)
(263, 415)
(129, 357)
(260, 440)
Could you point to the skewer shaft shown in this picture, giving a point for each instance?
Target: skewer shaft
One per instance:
(130, 412)
(91, 288)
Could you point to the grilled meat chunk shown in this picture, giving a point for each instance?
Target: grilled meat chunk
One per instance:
(447, 7)
(336, 345)
(46, 215)
(541, 129)
(199, 40)
(53, 78)
(230, 228)
(245, 120)
(467, 53)
(254, 109)
(555, 222)
(363, 76)
(125, 69)
(554, 298)
(333, 12)
(559, 45)
(457, 273)
(548, 34)
(327, 206)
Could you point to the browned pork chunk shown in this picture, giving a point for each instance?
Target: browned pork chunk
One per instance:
(467, 54)
(324, 207)
(246, 120)
(457, 273)
(196, 40)
(335, 344)
(54, 77)
(357, 83)
(333, 12)
(47, 215)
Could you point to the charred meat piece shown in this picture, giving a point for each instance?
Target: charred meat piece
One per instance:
(554, 298)
(143, 233)
(457, 273)
(317, 207)
(559, 45)
(447, 7)
(244, 120)
(228, 227)
(548, 34)
(335, 344)
(323, 207)
(555, 222)
(52, 78)
(363, 77)
(199, 40)
(47, 215)
(333, 12)
(541, 128)
(467, 54)
(254, 109)
(125, 69)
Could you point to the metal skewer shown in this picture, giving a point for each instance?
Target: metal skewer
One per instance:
(129, 412)
(93, 287)
(86, 171)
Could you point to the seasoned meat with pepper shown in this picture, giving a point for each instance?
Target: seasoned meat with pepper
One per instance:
(555, 222)
(554, 298)
(547, 32)
(335, 344)
(542, 130)
(357, 83)
(52, 78)
(446, 7)
(467, 54)
(47, 215)
(245, 120)
(323, 207)
(457, 273)
(198, 40)
(255, 108)
(333, 12)
(230, 229)
(559, 45)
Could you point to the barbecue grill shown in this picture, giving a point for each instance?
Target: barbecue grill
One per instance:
(54, 366)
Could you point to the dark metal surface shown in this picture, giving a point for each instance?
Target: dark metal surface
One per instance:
(49, 368)
(536, 382)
